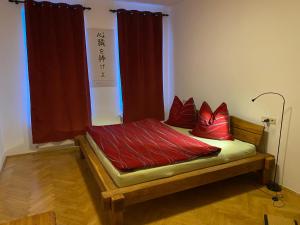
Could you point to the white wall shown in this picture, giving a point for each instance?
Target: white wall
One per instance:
(14, 93)
(233, 50)
(13, 78)
(1, 108)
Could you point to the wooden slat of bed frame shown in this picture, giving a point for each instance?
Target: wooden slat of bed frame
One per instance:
(99, 172)
(247, 126)
(246, 131)
(160, 187)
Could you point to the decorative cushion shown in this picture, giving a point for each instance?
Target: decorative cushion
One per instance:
(213, 125)
(182, 115)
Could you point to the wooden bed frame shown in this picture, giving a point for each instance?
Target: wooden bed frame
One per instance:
(116, 199)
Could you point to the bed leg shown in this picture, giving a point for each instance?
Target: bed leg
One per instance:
(117, 209)
(266, 175)
(81, 154)
(77, 143)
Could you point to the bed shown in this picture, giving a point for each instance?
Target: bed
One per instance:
(121, 189)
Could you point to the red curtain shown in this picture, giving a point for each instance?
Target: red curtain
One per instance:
(140, 45)
(58, 74)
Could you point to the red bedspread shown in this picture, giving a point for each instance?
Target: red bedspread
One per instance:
(146, 143)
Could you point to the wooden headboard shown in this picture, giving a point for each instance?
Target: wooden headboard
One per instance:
(246, 131)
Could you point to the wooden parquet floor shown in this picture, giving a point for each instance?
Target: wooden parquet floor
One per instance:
(61, 181)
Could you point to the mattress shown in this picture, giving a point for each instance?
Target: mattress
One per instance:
(231, 151)
(147, 143)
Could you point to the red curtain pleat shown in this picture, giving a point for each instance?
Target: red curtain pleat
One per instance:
(58, 74)
(140, 37)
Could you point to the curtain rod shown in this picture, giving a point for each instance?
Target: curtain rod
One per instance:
(118, 10)
(19, 1)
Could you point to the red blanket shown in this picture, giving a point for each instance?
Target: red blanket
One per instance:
(146, 143)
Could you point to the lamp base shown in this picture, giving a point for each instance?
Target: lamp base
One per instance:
(274, 187)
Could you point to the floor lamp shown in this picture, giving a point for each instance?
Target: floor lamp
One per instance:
(274, 186)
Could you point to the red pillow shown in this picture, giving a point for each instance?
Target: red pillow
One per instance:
(182, 115)
(213, 125)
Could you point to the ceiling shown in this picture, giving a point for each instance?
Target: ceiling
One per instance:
(160, 2)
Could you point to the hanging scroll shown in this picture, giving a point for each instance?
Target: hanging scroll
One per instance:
(102, 58)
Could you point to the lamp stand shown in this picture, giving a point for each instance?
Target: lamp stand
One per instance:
(274, 186)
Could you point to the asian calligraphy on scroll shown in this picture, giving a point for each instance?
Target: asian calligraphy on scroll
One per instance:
(101, 57)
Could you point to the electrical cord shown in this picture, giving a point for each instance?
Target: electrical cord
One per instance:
(278, 200)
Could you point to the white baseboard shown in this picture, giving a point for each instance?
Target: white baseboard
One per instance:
(13, 152)
(290, 190)
(40, 150)
(55, 144)
(25, 149)
(2, 161)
